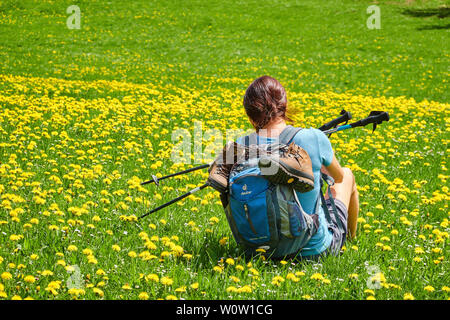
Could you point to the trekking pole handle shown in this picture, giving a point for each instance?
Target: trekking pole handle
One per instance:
(375, 117)
(345, 116)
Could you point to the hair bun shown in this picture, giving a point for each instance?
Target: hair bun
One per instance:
(265, 100)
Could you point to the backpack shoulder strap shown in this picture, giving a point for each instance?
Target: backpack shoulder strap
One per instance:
(250, 139)
(288, 134)
(329, 180)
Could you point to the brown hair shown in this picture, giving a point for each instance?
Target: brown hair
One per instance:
(265, 100)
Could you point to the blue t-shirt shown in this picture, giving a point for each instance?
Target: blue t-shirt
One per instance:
(316, 143)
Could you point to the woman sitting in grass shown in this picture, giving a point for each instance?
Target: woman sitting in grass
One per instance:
(265, 103)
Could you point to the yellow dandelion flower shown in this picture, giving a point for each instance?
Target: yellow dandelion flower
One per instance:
(231, 289)
(253, 271)
(100, 272)
(152, 277)
(150, 245)
(429, 288)
(166, 281)
(92, 260)
(187, 256)
(194, 285)
(165, 254)
(47, 273)
(213, 220)
(239, 267)
(369, 291)
(223, 241)
(143, 296)
(6, 275)
(317, 276)
(98, 292)
(218, 269)
(277, 280)
(76, 292)
(177, 250)
(408, 296)
(244, 289)
(87, 252)
(292, 277)
(72, 248)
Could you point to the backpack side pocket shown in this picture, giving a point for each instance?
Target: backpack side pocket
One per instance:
(294, 222)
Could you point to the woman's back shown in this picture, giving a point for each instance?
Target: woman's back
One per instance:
(319, 150)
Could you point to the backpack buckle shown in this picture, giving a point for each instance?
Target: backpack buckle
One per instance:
(329, 180)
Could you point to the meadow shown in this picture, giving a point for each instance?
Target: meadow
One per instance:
(87, 114)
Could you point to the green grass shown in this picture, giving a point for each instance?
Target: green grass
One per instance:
(111, 94)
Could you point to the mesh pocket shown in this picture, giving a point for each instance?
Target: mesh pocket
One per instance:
(293, 223)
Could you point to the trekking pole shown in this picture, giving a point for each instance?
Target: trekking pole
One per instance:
(176, 199)
(156, 179)
(375, 117)
(345, 116)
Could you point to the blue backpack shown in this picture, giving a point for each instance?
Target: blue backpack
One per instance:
(266, 217)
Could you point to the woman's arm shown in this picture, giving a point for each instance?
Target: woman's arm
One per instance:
(334, 170)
